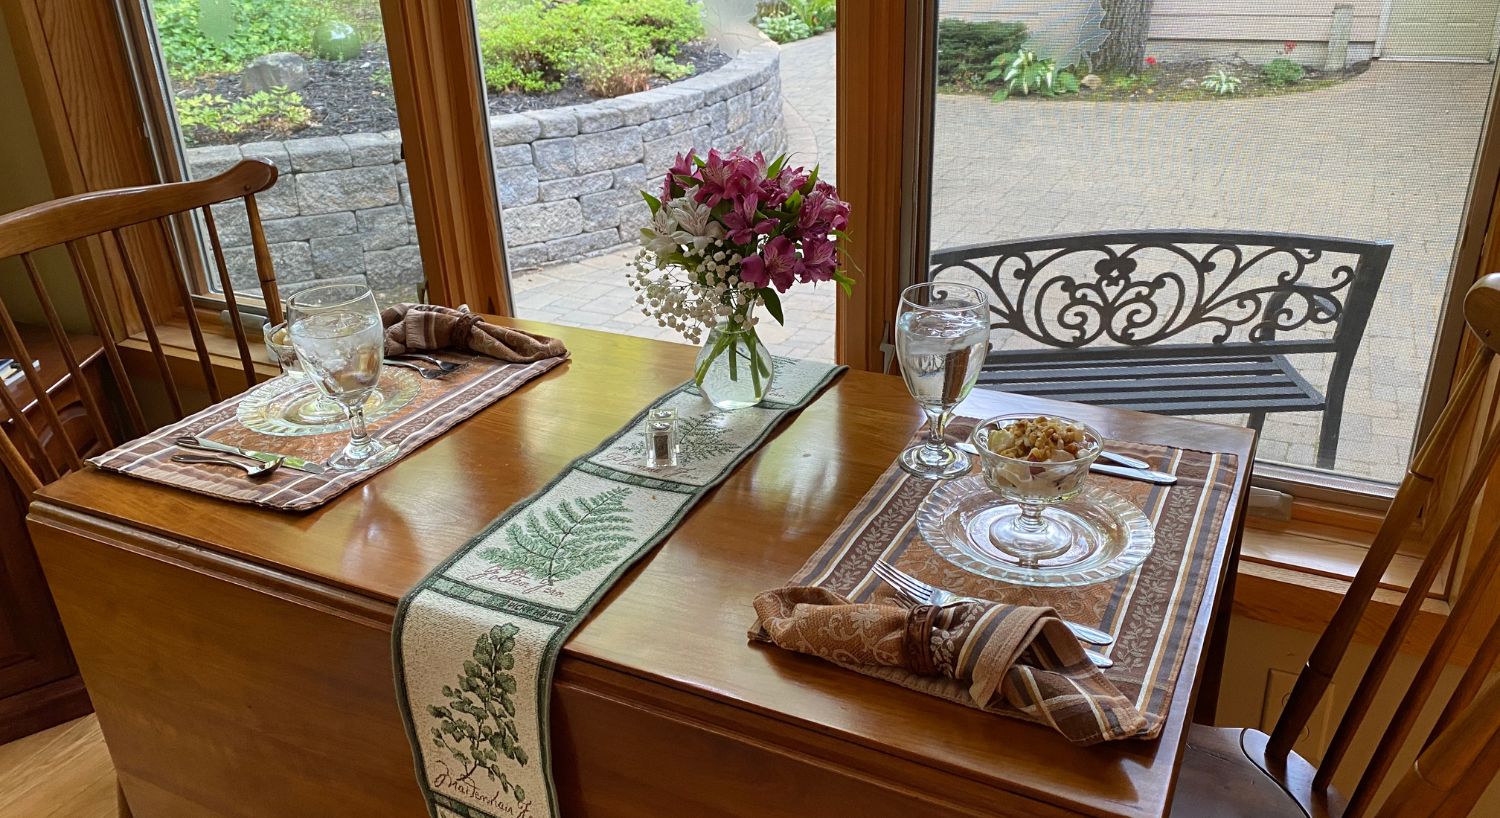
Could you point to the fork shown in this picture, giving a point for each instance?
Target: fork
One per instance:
(427, 374)
(446, 366)
(262, 468)
(921, 593)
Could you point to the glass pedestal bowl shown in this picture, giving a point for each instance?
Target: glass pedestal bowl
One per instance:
(1034, 529)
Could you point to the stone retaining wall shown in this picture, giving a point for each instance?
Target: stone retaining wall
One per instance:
(568, 179)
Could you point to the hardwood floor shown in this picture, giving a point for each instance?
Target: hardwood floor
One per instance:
(64, 772)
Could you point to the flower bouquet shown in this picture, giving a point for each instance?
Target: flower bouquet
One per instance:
(728, 233)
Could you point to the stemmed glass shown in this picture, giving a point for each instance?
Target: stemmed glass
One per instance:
(942, 335)
(340, 341)
(1032, 531)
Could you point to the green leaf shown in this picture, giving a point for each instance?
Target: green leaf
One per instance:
(772, 300)
(652, 202)
(775, 167)
(845, 282)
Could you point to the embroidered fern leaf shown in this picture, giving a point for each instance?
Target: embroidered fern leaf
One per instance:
(485, 696)
(574, 536)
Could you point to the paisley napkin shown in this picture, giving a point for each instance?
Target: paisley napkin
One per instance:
(410, 327)
(1011, 657)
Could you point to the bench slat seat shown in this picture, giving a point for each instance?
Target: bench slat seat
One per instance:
(1191, 386)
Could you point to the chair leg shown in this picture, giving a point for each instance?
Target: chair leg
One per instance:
(1256, 421)
(124, 808)
(1328, 435)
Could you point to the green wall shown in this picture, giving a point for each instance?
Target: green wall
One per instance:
(23, 182)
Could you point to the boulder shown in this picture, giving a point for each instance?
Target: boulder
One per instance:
(280, 70)
(1092, 82)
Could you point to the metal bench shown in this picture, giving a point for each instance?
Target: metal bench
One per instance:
(1177, 322)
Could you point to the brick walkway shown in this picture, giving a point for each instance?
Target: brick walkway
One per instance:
(1385, 156)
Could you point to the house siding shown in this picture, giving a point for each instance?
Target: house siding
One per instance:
(1256, 30)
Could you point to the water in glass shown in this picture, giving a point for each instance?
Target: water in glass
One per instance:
(942, 334)
(342, 352)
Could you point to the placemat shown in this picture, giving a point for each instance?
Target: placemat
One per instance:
(438, 406)
(1149, 610)
(477, 641)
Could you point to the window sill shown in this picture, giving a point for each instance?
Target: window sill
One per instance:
(1295, 574)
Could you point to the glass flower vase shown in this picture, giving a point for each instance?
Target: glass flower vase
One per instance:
(734, 369)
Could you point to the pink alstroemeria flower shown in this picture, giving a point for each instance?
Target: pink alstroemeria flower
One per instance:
(775, 190)
(741, 223)
(777, 265)
(672, 186)
(819, 260)
(726, 177)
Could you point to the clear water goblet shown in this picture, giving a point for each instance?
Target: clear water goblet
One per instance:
(942, 335)
(340, 342)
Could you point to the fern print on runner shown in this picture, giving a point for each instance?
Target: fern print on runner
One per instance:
(574, 536)
(477, 725)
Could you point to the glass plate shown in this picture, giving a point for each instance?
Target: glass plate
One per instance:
(1111, 535)
(272, 408)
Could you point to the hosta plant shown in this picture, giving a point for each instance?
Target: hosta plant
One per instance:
(1023, 73)
(1221, 83)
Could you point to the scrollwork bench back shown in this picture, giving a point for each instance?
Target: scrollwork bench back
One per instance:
(1178, 322)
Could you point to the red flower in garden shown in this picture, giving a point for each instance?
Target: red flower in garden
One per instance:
(1151, 62)
(1291, 45)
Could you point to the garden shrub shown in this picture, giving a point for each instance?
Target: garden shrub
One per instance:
(784, 28)
(786, 21)
(533, 46)
(968, 50)
(1282, 72)
(614, 73)
(278, 110)
(253, 28)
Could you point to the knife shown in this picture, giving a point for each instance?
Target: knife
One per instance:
(290, 461)
(1160, 478)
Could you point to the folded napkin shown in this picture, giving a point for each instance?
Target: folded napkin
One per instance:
(1014, 659)
(411, 327)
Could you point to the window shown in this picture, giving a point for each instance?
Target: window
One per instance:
(307, 86)
(622, 88)
(1360, 122)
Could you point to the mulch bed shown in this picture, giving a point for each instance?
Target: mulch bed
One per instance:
(355, 96)
(1178, 81)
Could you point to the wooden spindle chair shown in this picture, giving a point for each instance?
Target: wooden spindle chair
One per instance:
(1243, 772)
(103, 216)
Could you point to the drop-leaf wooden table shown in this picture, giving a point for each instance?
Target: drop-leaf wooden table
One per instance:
(240, 658)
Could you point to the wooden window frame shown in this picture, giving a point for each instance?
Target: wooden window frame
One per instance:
(92, 78)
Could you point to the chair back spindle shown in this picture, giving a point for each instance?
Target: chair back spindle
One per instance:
(1460, 715)
(27, 447)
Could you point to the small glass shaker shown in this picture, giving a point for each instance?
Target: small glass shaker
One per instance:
(278, 339)
(661, 438)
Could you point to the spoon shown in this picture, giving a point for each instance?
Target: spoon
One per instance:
(259, 470)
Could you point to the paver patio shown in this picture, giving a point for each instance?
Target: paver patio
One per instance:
(1387, 155)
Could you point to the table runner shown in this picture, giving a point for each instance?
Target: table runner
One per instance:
(476, 642)
(439, 405)
(1150, 610)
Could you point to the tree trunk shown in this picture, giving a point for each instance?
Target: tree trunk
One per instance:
(1127, 22)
